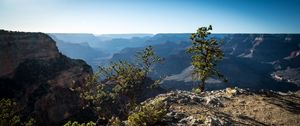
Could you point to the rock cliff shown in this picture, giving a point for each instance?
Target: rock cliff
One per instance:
(16, 47)
(34, 72)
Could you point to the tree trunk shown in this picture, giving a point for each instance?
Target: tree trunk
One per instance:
(202, 85)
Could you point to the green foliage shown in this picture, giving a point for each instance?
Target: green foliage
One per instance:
(196, 90)
(69, 123)
(10, 114)
(148, 114)
(30, 122)
(202, 118)
(206, 53)
(147, 59)
(115, 121)
(112, 90)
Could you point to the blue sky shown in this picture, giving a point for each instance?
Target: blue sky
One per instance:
(150, 16)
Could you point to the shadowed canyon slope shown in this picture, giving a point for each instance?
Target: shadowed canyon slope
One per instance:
(251, 61)
(33, 71)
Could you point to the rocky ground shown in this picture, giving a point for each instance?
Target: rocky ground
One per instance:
(232, 106)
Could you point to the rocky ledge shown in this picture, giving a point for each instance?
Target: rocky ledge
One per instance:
(231, 106)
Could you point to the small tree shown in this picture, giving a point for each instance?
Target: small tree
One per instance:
(112, 90)
(206, 53)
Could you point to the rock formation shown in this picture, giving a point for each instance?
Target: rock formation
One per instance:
(34, 72)
(231, 106)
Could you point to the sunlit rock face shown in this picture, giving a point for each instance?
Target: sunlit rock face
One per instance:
(33, 71)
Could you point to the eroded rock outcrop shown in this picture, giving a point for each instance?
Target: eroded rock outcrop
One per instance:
(16, 47)
(231, 106)
(33, 71)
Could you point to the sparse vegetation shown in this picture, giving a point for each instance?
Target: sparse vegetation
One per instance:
(112, 91)
(69, 123)
(10, 114)
(206, 52)
(115, 121)
(148, 114)
(196, 90)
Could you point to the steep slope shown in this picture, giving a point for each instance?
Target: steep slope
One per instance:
(84, 51)
(15, 49)
(39, 77)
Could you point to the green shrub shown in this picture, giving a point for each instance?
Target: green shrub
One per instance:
(196, 90)
(148, 114)
(69, 123)
(115, 121)
(10, 114)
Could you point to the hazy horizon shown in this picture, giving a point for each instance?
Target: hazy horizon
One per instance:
(96, 34)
